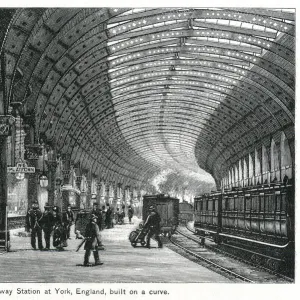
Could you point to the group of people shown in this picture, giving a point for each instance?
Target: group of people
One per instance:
(54, 223)
(60, 225)
(120, 215)
(106, 218)
(49, 222)
(99, 220)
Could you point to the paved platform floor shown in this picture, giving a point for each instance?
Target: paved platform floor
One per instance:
(122, 263)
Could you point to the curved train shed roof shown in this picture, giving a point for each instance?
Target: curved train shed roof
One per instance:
(128, 92)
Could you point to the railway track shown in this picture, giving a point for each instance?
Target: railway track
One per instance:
(224, 258)
(207, 260)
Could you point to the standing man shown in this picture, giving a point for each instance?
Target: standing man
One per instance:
(97, 212)
(68, 220)
(103, 217)
(130, 213)
(93, 241)
(59, 232)
(153, 225)
(33, 222)
(108, 216)
(47, 225)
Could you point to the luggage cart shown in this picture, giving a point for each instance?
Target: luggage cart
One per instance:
(138, 236)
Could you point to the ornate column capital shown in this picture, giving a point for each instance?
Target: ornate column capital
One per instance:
(6, 122)
(51, 165)
(33, 151)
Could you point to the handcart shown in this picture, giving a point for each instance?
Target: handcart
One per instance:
(138, 236)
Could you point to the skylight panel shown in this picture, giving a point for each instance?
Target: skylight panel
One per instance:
(246, 25)
(259, 27)
(235, 23)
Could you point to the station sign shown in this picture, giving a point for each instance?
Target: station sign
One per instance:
(21, 168)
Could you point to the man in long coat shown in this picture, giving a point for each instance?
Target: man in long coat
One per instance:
(47, 225)
(108, 217)
(34, 224)
(68, 220)
(153, 225)
(130, 213)
(93, 241)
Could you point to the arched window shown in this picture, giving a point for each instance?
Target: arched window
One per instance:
(265, 165)
(286, 157)
(257, 164)
(229, 179)
(236, 176)
(251, 171)
(241, 182)
(245, 173)
(275, 169)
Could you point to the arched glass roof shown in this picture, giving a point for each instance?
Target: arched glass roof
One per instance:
(129, 92)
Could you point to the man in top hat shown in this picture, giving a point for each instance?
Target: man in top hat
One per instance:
(93, 241)
(33, 223)
(153, 225)
(47, 224)
(68, 220)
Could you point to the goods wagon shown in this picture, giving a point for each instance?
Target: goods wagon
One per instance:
(168, 209)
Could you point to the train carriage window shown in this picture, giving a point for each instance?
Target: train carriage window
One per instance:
(211, 204)
(283, 202)
(262, 202)
(214, 204)
(248, 203)
(231, 203)
(206, 204)
(255, 202)
(269, 203)
(227, 203)
(273, 203)
(201, 205)
(240, 203)
(278, 201)
(224, 201)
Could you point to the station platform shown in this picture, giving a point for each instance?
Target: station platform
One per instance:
(122, 263)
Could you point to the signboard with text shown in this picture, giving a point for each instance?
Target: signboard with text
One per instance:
(21, 168)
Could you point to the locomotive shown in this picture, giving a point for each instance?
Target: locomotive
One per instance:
(256, 221)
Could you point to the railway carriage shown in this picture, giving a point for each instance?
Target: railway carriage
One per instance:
(258, 219)
(186, 212)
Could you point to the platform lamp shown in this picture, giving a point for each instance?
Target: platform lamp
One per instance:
(43, 177)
